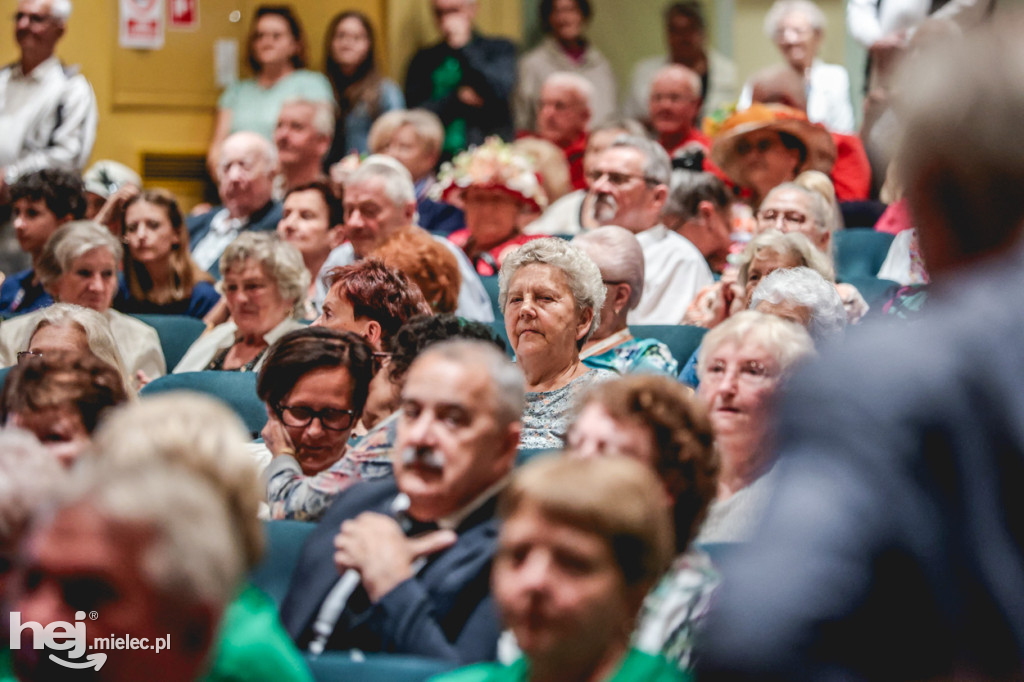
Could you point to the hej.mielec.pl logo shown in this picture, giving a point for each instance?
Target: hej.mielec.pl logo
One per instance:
(60, 636)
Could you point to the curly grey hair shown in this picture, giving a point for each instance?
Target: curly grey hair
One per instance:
(280, 260)
(618, 256)
(805, 287)
(584, 277)
(70, 241)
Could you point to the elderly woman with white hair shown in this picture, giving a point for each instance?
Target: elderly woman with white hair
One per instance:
(797, 27)
(79, 265)
(803, 296)
(264, 287)
(619, 257)
(742, 364)
(551, 295)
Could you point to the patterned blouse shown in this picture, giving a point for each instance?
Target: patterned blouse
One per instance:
(632, 356)
(546, 418)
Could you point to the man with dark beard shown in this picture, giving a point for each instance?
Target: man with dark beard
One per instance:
(409, 570)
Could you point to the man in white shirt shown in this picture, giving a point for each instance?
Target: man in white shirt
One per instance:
(629, 188)
(47, 110)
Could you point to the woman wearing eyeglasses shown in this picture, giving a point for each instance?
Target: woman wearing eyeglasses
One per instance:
(314, 383)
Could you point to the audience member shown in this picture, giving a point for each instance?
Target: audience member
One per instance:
(797, 27)
(552, 171)
(551, 295)
(372, 300)
(314, 384)
(789, 207)
(71, 329)
(303, 136)
(153, 550)
(414, 138)
(79, 265)
(673, 108)
(686, 36)
(41, 201)
(492, 185)
(427, 264)
(203, 436)
(159, 272)
(742, 364)
(573, 213)
(563, 49)
(906, 441)
(277, 57)
(403, 591)
(581, 544)
(47, 109)
(629, 186)
(311, 221)
(362, 93)
(245, 182)
(766, 145)
(306, 498)
(779, 84)
(660, 424)
(467, 79)
(563, 117)
(60, 397)
(618, 256)
(264, 288)
(699, 208)
(380, 203)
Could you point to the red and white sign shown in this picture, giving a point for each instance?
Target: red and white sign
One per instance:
(142, 24)
(184, 14)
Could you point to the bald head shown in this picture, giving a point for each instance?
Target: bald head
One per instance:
(563, 111)
(245, 173)
(674, 101)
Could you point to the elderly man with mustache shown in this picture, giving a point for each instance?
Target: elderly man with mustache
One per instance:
(402, 565)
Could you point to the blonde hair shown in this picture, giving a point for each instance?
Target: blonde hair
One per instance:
(787, 341)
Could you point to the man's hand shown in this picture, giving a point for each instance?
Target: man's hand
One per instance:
(469, 97)
(275, 437)
(375, 545)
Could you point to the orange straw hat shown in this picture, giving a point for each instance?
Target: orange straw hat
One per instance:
(819, 149)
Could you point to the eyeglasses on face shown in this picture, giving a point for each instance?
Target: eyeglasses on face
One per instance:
(771, 215)
(26, 354)
(299, 416)
(618, 179)
(34, 19)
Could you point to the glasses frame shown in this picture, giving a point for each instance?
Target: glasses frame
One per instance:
(280, 408)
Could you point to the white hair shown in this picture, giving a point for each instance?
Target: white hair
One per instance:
(805, 287)
(70, 241)
(98, 334)
(60, 10)
(691, 76)
(583, 88)
(323, 113)
(279, 259)
(199, 433)
(507, 381)
(398, 185)
(618, 256)
(657, 165)
(786, 341)
(783, 8)
(817, 205)
(584, 277)
(261, 145)
(793, 244)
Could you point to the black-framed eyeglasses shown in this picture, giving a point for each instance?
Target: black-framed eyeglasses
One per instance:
(619, 179)
(23, 355)
(332, 419)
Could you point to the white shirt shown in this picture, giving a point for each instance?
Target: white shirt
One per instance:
(206, 347)
(828, 97)
(561, 217)
(223, 230)
(872, 20)
(674, 271)
(48, 118)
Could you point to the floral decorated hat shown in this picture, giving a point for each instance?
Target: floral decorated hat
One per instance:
(492, 165)
(821, 150)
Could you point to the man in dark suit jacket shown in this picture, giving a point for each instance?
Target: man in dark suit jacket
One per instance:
(245, 181)
(466, 79)
(414, 553)
(894, 548)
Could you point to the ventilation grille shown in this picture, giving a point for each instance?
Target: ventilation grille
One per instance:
(183, 167)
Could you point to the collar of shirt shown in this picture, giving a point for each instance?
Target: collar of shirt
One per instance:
(452, 521)
(223, 223)
(39, 73)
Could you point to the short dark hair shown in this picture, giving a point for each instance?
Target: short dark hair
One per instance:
(548, 6)
(689, 188)
(82, 380)
(285, 12)
(61, 190)
(423, 331)
(379, 293)
(335, 210)
(305, 350)
(690, 9)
